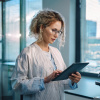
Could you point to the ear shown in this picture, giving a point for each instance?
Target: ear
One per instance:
(41, 28)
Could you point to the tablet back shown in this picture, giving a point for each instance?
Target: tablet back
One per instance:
(75, 67)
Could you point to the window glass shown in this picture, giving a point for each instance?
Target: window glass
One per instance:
(0, 31)
(0, 22)
(32, 7)
(12, 29)
(91, 37)
(0, 50)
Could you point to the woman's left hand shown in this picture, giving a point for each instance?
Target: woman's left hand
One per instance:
(75, 78)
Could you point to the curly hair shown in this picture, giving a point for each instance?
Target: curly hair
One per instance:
(46, 18)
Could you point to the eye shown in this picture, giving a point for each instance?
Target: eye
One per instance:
(54, 30)
(60, 32)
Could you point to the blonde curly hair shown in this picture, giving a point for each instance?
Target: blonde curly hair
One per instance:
(46, 18)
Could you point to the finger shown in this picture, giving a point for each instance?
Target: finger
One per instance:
(74, 79)
(77, 79)
(71, 77)
(76, 76)
(58, 71)
(78, 73)
(54, 74)
(57, 74)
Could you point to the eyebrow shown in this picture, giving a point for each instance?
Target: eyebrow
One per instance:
(56, 29)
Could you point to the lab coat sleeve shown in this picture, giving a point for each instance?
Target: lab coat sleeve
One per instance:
(20, 81)
(74, 86)
(68, 82)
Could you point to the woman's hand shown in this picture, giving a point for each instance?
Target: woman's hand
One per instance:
(52, 76)
(75, 77)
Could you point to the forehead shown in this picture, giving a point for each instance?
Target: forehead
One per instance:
(56, 24)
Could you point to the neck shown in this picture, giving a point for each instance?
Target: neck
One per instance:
(44, 46)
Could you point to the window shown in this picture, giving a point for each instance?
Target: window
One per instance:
(32, 7)
(12, 26)
(0, 50)
(12, 29)
(0, 22)
(11, 38)
(0, 32)
(90, 37)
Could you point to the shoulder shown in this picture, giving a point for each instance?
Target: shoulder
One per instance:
(55, 50)
(27, 51)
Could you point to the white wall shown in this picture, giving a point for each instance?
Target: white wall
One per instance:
(67, 9)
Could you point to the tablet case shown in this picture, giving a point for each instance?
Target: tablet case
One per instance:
(75, 67)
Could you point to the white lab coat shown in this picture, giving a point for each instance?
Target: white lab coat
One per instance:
(32, 65)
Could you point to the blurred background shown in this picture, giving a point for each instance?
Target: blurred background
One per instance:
(82, 19)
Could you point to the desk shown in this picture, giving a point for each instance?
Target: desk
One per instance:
(86, 88)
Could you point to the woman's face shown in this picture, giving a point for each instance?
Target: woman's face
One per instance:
(50, 33)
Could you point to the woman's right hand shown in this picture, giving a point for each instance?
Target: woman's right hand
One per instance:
(52, 76)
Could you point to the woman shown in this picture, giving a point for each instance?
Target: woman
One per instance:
(39, 63)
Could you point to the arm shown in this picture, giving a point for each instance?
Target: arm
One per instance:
(73, 80)
(21, 82)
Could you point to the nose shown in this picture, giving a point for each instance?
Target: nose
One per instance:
(56, 35)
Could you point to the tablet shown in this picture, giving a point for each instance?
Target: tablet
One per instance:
(75, 67)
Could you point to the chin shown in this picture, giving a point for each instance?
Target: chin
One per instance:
(51, 42)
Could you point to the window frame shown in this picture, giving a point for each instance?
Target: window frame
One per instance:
(22, 29)
(79, 22)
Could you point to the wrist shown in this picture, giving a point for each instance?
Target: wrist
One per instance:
(45, 80)
(72, 83)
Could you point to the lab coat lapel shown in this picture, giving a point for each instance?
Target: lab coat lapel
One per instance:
(55, 58)
(45, 62)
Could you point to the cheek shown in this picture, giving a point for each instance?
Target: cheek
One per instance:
(47, 35)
